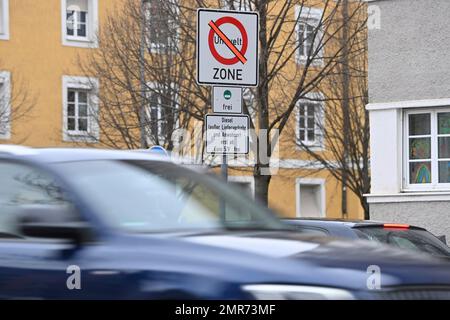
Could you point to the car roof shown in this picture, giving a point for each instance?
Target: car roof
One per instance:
(57, 155)
(355, 223)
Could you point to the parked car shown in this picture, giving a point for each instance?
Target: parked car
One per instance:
(96, 224)
(403, 236)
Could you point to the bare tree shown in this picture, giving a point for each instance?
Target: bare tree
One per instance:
(291, 31)
(298, 51)
(16, 101)
(345, 131)
(145, 65)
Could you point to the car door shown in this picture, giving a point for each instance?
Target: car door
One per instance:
(30, 268)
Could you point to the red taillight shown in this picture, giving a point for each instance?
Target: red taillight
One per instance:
(396, 225)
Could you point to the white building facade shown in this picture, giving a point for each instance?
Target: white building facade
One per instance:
(409, 91)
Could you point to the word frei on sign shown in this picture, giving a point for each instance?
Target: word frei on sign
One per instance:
(227, 100)
(227, 48)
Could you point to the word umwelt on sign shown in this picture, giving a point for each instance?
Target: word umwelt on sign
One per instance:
(227, 47)
(227, 134)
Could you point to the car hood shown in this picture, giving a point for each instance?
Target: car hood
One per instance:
(341, 259)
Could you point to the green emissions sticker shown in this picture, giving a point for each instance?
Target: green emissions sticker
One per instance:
(227, 94)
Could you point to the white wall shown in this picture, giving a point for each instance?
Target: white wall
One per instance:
(386, 151)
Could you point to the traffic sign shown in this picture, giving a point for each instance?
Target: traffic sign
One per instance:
(227, 47)
(158, 150)
(227, 100)
(227, 134)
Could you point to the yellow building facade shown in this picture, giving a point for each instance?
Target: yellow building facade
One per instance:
(39, 51)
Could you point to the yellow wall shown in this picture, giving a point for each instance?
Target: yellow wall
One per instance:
(37, 58)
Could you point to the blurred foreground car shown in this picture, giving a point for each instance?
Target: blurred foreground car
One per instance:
(403, 236)
(136, 226)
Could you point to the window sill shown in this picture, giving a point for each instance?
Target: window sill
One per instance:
(301, 61)
(79, 137)
(79, 42)
(312, 147)
(4, 36)
(410, 196)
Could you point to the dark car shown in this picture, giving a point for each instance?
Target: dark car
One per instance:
(403, 236)
(93, 224)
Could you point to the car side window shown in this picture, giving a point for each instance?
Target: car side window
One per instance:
(21, 187)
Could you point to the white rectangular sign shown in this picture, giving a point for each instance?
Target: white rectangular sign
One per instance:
(227, 47)
(227, 134)
(227, 100)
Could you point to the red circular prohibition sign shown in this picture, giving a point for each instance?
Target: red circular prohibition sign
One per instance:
(217, 56)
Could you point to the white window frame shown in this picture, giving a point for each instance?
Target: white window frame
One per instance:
(318, 100)
(5, 98)
(87, 84)
(90, 41)
(158, 47)
(304, 15)
(4, 20)
(244, 179)
(239, 5)
(247, 94)
(434, 185)
(310, 182)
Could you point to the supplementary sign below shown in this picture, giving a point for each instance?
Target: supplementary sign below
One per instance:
(227, 134)
(227, 100)
(227, 47)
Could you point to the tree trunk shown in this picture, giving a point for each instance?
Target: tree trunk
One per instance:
(262, 178)
(365, 205)
(262, 188)
(345, 103)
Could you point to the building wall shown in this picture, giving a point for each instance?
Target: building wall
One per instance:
(408, 55)
(408, 68)
(37, 59)
(36, 56)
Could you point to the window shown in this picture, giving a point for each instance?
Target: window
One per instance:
(239, 5)
(77, 110)
(22, 188)
(158, 118)
(5, 105)
(80, 22)
(160, 196)
(310, 123)
(4, 19)
(160, 24)
(427, 151)
(243, 183)
(249, 100)
(161, 113)
(308, 35)
(310, 197)
(80, 109)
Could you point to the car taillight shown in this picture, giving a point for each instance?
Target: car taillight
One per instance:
(396, 225)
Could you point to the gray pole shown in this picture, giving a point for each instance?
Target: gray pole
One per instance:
(224, 168)
(224, 173)
(345, 104)
(142, 116)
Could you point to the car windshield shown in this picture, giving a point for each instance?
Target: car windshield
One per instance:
(412, 239)
(150, 196)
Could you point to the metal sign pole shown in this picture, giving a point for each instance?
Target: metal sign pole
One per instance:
(224, 173)
(224, 168)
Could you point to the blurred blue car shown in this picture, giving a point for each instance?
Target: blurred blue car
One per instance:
(95, 224)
